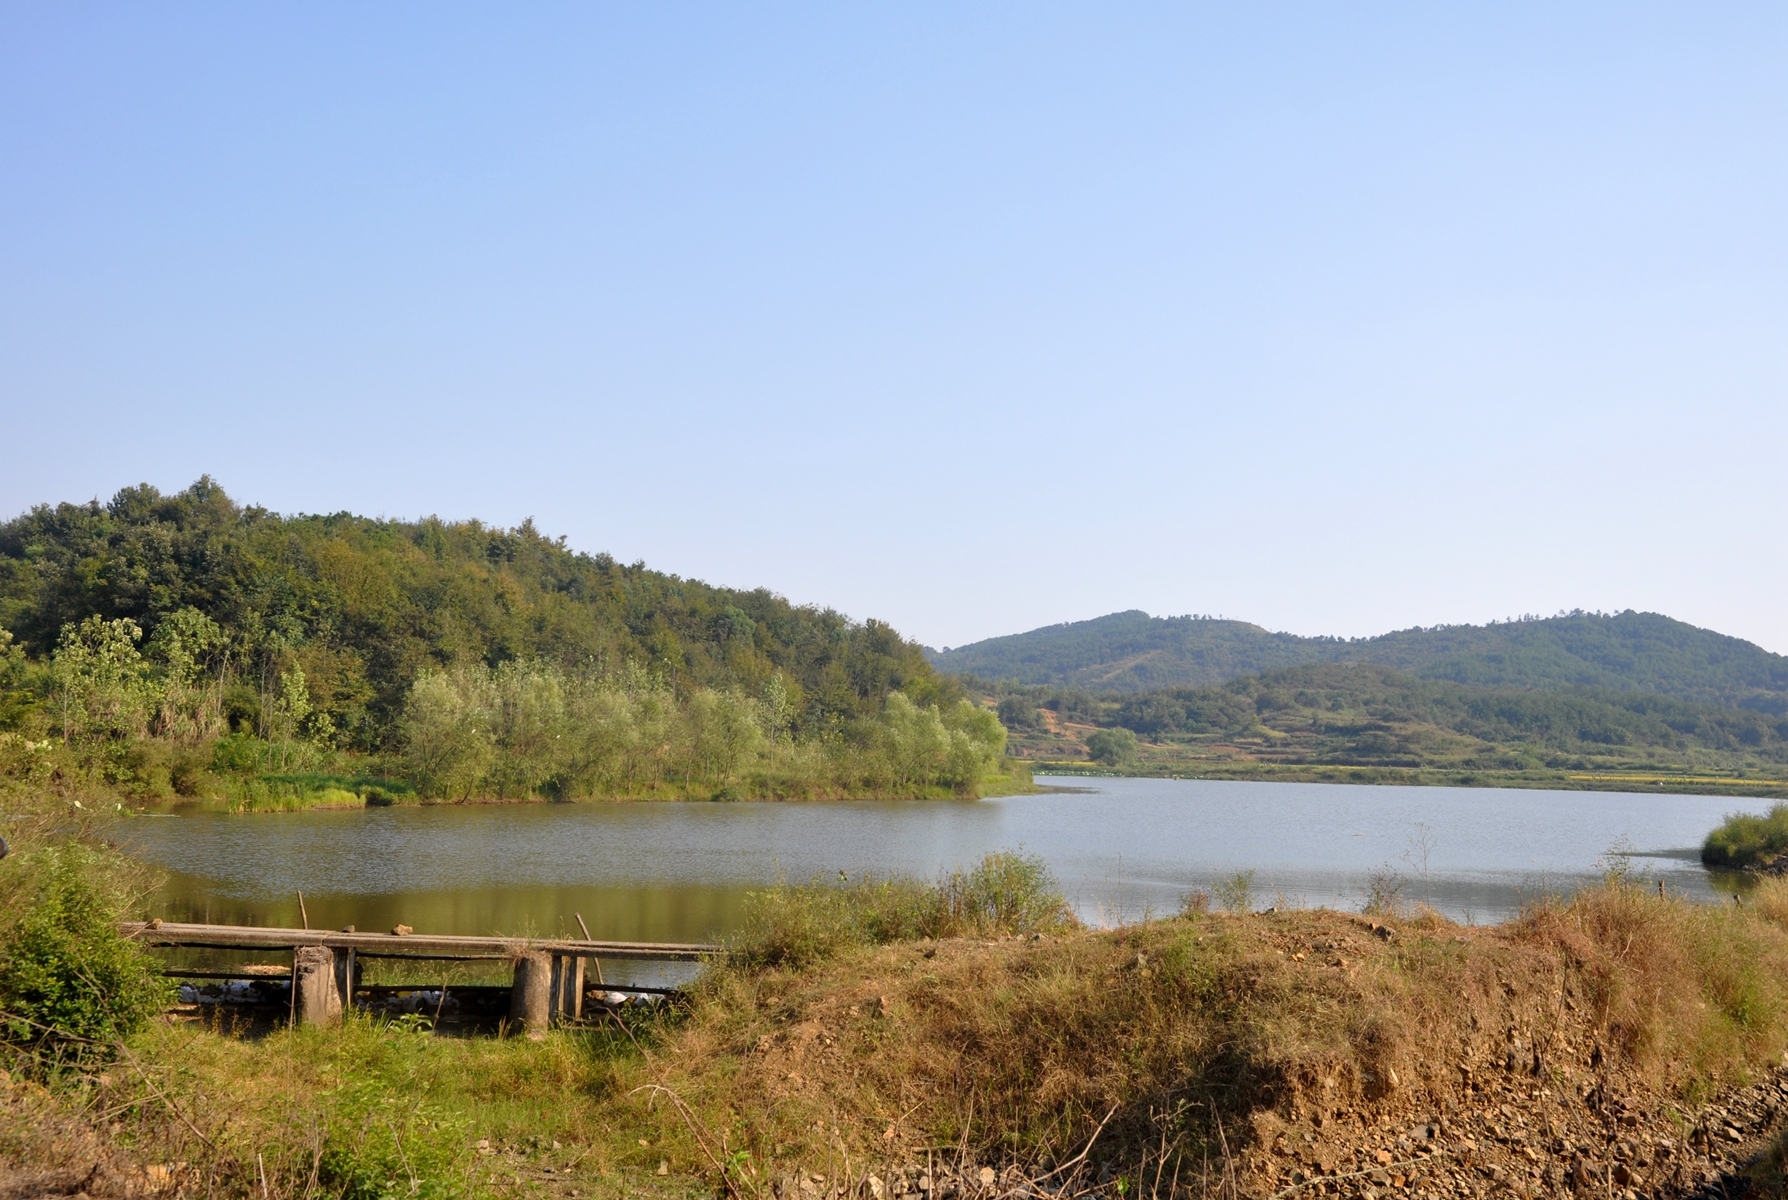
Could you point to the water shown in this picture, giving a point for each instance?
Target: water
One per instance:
(1123, 848)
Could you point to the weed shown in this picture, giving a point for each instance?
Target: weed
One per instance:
(1236, 894)
(1384, 893)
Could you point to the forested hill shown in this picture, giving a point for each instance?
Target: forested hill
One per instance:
(1134, 652)
(363, 606)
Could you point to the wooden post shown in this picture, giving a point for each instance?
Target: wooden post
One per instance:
(316, 995)
(530, 1000)
(567, 1001)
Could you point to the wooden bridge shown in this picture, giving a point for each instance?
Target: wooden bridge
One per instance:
(549, 972)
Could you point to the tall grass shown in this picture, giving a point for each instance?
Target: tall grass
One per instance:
(296, 793)
(800, 924)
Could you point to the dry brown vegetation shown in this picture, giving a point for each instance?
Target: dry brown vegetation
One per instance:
(1017, 1048)
(1244, 1054)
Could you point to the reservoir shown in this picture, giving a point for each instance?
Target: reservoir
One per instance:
(1122, 849)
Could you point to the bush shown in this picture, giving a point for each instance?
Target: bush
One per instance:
(1746, 840)
(1005, 893)
(67, 979)
(1113, 747)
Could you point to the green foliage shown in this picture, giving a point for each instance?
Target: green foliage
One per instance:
(364, 608)
(913, 746)
(17, 702)
(489, 662)
(1006, 892)
(1745, 840)
(1628, 651)
(316, 789)
(531, 728)
(67, 979)
(1364, 715)
(386, 1137)
(1236, 894)
(797, 925)
(101, 680)
(1018, 712)
(187, 705)
(1113, 747)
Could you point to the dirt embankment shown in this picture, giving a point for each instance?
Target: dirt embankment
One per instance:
(1620, 1043)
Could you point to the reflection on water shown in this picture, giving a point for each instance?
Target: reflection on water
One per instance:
(1123, 848)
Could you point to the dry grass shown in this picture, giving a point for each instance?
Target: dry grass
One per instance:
(1192, 1035)
(1016, 1049)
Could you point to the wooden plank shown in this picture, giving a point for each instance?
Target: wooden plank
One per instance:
(418, 945)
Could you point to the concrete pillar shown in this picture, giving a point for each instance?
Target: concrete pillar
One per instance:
(316, 994)
(567, 999)
(347, 978)
(530, 1000)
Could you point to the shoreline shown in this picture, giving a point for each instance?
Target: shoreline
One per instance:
(1641, 783)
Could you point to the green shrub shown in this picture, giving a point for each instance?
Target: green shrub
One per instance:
(1005, 893)
(238, 754)
(67, 979)
(1746, 840)
(1113, 747)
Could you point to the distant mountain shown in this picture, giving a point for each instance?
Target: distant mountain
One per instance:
(1134, 652)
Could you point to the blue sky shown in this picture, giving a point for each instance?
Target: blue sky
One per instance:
(1337, 318)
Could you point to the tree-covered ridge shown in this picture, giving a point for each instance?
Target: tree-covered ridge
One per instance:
(363, 607)
(1364, 714)
(188, 646)
(1134, 652)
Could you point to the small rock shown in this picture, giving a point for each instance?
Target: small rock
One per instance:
(664, 1167)
(986, 1176)
(401, 931)
(875, 1187)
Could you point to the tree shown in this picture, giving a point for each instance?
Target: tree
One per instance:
(100, 680)
(184, 706)
(777, 711)
(1016, 712)
(1113, 747)
(448, 743)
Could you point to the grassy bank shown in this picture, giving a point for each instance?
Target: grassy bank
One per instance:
(318, 791)
(876, 1029)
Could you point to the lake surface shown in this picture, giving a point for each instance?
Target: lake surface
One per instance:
(1123, 848)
